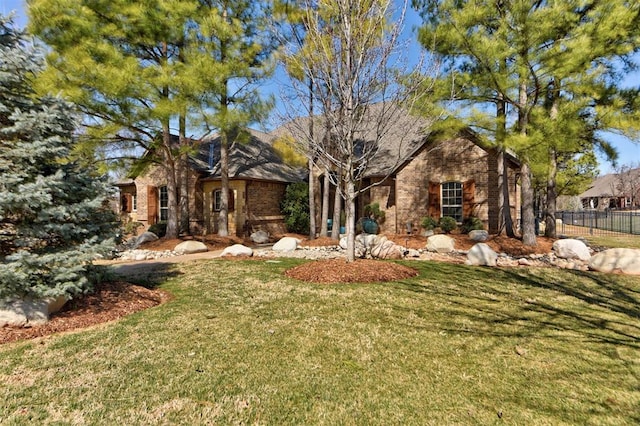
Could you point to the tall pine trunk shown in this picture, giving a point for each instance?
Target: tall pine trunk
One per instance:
(223, 217)
(183, 173)
(552, 196)
(172, 199)
(337, 209)
(505, 222)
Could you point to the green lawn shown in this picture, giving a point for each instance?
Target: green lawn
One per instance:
(242, 344)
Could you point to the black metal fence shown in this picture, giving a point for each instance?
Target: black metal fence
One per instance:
(592, 222)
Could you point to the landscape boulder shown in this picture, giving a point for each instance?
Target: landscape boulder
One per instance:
(482, 255)
(440, 244)
(571, 249)
(286, 244)
(360, 249)
(623, 260)
(145, 237)
(29, 312)
(237, 250)
(479, 235)
(387, 250)
(260, 237)
(190, 247)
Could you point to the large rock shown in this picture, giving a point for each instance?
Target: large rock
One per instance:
(482, 255)
(387, 250)
(145, 237)
(571, 249)
(440, 244)
(29, 312)
(623, 260)
(260, 237)
(360, 249)
(479, 235)
(286, 244)
(237, 250)
(190, 247)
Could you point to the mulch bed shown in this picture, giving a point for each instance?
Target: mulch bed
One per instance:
(110, 301)
(339, 271)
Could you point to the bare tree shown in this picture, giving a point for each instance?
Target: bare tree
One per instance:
(363, 85)
(628, 183)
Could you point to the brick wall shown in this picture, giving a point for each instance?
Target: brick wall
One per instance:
(458, 160)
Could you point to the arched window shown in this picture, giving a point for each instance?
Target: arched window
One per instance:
(452, 200)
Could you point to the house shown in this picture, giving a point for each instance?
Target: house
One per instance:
(257, 178)
(613, 191)
(412, 175)
(438, 176)
(418, 172)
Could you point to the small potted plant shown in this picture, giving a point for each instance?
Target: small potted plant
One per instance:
(372, 219)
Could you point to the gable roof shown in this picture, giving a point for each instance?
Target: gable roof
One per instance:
(399, 143)
(609, 185)
(256, 159)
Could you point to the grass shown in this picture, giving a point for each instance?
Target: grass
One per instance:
(242, 344)
(612, 241)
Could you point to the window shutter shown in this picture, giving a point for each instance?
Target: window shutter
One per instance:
(232, 200)
(152, 204)
(434, 200)
(127, 203)
(468, 198)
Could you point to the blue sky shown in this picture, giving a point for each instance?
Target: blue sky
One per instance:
(629, 152)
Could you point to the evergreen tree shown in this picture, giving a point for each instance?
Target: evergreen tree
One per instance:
(54, 215)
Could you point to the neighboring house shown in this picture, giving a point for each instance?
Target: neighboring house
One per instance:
(257, 179)
(613, 191)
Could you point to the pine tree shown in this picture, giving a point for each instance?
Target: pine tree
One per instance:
(54, 216)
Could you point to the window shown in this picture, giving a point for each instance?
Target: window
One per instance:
(134, 202)
(164, 204)
(217, 200)
(452, 200)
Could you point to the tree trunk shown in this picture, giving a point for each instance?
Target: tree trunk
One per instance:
(337, 209)
(552, 196)
(528, 217)
(223, 216)
(350, 223)
(325, 204)
(550, 210)
(504, 207)
(312, 202)
(172, 199)
(184, 178)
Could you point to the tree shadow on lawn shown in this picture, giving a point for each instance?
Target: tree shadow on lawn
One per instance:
(145, 274)
(598, 307)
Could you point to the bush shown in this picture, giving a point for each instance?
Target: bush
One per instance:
(372, 211)
(429, 223)
(131, 227)
(295, 208)
(447, 224)
(160, 229)
(470, 224)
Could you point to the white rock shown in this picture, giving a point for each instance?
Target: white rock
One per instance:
(482, 255)
(31, 312)
(479, 235)
(237, 250)
(260, 237)
(524, 261)
(286, 244)
(440, 244)
(623, 260)
(413, 253)
(189, 247)
(571, 249)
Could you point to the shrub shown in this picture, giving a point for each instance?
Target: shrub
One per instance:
(131, 227)
(295, 208)
(160, 229)
(372, 211)
(447, 224)
(429, 223)
(471, 223)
